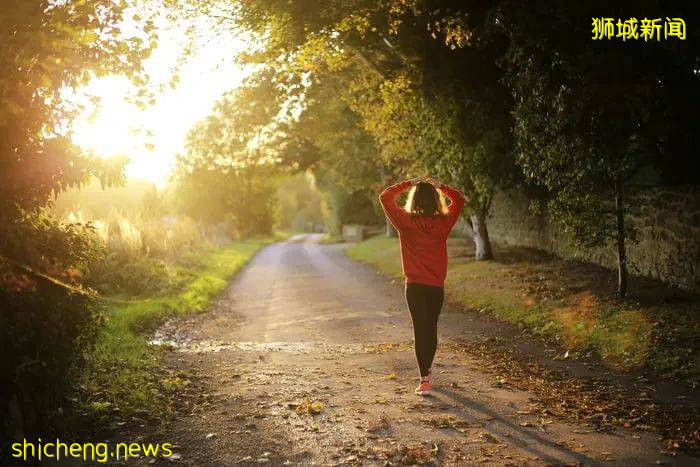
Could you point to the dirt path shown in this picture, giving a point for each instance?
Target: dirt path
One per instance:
(304, 323)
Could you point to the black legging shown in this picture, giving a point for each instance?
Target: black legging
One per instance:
(424, 303)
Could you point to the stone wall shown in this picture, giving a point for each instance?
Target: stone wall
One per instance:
(668, 234)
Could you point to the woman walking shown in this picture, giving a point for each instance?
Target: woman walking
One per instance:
(423, 225)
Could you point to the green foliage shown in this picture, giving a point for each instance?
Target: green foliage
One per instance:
(299, 203)
(422, 78)
(48, 48)
(138, 252)
(45, 329)
(233, 158)
(137, 276)
(244, 199)
(122, 378)
(138, 238)
(419, 133)
(347, 155)
(242, 130)
(573, 133)
(45, 243)
(334, 198)
(45, 334)
(589, 116)
(340, 206)
(360, 209)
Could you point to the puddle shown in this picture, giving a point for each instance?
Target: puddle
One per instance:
(292, 347)
(169, 335)
(183, 343)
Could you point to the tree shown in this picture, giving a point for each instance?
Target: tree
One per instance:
(347, 168)
(406, 85)
(299, 203)
(589, 115)
(48, 47)
(240, 198)
(234, 156)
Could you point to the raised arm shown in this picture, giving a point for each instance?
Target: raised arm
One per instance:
(397, 216)
(455, 207)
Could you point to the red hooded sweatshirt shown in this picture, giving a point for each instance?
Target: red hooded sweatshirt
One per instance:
(423, 238)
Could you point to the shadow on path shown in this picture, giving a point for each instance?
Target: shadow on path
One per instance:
(527, 440)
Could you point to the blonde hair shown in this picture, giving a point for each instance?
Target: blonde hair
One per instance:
(425, 200)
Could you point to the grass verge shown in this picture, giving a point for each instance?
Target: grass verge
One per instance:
(656, 329)
(122, 383)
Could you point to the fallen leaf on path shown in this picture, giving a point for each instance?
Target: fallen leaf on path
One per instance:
(381, 423)
(488, 438)
(388, 347)
(309, 407)
(595, 401)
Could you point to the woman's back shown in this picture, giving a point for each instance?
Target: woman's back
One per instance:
(423, 237)
(424, 250)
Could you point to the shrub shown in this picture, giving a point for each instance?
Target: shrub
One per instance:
(45, 328)
(45, 333)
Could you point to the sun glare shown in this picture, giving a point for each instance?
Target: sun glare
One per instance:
(151, 137)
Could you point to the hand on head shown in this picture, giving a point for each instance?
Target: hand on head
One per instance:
(433, 181)
(425, 179)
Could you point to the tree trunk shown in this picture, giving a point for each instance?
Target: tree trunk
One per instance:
(390, 230)
(482, 244)
(621, 252)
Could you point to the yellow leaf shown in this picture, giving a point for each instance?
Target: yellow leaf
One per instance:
(88, 38)
(316, 407)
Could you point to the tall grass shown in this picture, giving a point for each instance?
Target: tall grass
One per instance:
(141, 253)
(144, 233)
(152, 267)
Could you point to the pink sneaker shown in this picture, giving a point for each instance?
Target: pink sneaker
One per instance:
(424, 388)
